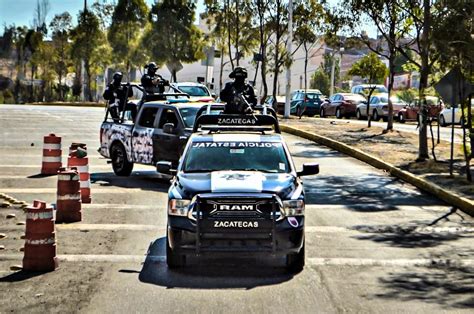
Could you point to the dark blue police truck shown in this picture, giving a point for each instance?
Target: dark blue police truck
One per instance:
(236, 192)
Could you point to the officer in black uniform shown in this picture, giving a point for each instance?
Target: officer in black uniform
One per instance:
(115, 93)
(153, 83)
(238, 95)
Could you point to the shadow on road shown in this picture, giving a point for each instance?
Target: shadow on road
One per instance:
(21, 276)
(144, 179)
(450, 286)
(367, 193)
(210, 273)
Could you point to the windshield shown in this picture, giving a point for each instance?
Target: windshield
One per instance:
(194, 90)
(313, 96)
(247, 156)
(189, 116)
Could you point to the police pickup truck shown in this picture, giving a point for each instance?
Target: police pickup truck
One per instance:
(158, 132)
(236, 192)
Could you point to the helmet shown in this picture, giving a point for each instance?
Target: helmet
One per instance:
(151, 67)
(238, 73)
(117, 78)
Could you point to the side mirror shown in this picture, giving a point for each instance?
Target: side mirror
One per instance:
(308, 170)
(168, 128)
(213, 95)
(164, 167)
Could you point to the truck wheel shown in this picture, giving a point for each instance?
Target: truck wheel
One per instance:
(295, 261)
(122, 167)
(174, 260)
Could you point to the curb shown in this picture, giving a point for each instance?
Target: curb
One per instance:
(68, 104)
(449, 197)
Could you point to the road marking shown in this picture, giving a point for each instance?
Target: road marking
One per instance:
(108, 190)
(312, 261)
(39, 166)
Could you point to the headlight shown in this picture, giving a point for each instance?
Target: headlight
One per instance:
(178, 207)
(293, 208)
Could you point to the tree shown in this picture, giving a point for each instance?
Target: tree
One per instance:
(173, 37)
(454, 49)
(320, 80)
(87, 38)
(61, 26)
(373, 71)
(390, 21)
(128, 20)
(278, 13)
(308, 16)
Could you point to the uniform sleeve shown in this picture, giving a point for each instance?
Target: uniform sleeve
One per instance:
(251, 95)
(226, 93)
(108, 93)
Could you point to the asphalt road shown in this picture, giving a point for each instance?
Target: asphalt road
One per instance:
(374, 244)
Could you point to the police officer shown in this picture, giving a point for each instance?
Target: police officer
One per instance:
(152, 82)
(238, 95)
(115, 94)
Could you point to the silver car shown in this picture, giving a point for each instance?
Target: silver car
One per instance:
(379, 107)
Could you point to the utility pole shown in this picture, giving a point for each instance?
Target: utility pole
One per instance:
(289, 48)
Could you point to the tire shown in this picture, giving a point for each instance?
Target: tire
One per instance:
(321, 113)
(120, 164)
(295, 261)
(442, 120)
(401, 118)
(338, 113)
(174, 260)
(375, 116)
(359, 115)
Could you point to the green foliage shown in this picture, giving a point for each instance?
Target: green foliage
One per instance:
(370, 68)
(320, 80)
(128, 21)
(173, 37)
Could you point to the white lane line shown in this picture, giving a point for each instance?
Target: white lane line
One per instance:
(39, 166)
(397, 207)
(94, 190)
(312, 261)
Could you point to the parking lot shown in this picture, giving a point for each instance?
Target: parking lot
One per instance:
(372, 242)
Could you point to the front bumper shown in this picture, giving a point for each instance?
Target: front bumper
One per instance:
(275, 234)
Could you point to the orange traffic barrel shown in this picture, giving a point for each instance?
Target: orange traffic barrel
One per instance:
(40, 239)
(68, 202)
(51, 154)
(82, 166)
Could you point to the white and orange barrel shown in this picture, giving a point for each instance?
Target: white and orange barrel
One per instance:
(68, 202)
(40, 238)
(82, 166)
(51, 154)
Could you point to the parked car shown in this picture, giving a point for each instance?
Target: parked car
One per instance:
(198, 92)
(308, 103)
(379, 107)
(364, 89)
(410, 111)
(280, 103)
(446, 116)
(341, 105)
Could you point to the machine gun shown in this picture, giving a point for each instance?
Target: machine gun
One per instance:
(239, 105)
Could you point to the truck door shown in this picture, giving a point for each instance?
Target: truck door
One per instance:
(142, 142)
(166, 146)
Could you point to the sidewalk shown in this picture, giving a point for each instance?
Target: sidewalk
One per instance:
(397, 148)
